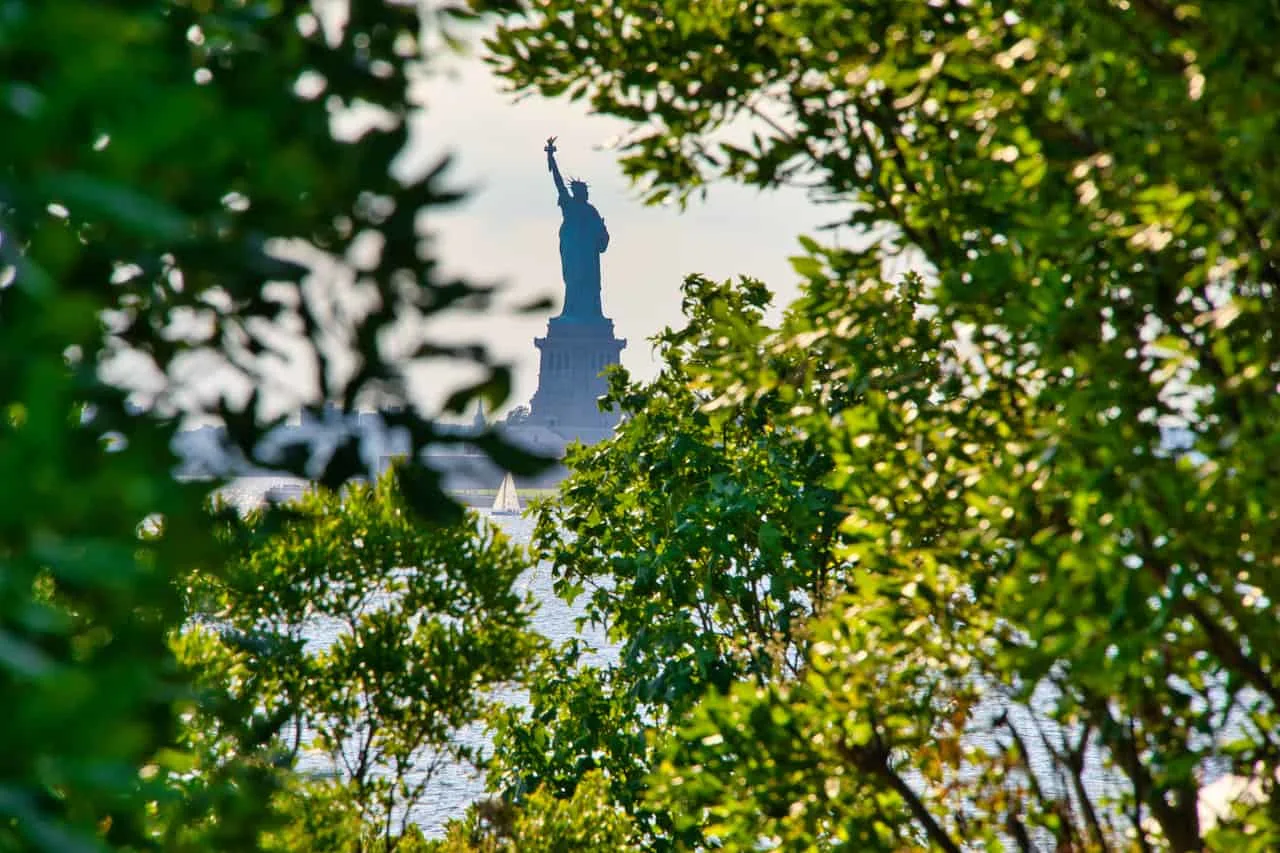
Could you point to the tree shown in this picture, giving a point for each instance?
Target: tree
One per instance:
(1036, 566)
(422, 625)
(704, 533)
(172, 199)
(587, 821)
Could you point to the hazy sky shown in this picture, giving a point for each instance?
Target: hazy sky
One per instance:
(506, 232)
(507, 229)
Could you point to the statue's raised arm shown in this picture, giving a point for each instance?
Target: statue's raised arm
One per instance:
(583, 237)
(550, 148)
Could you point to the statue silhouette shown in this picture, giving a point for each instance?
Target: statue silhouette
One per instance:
(583, 238)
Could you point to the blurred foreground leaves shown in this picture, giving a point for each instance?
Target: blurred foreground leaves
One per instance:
(200, 214)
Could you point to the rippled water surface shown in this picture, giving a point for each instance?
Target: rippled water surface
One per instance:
(455, 786)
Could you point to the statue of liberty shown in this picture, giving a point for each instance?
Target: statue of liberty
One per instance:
(583, 238)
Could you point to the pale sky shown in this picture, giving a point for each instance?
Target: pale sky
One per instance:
(506, 231)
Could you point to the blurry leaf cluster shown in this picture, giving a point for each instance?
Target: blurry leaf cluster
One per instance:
(202, 215)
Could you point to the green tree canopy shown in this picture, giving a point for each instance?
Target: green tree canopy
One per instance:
(1091, 189)
(704, 531)
(378, 639)
(586, 822)
(172, 191)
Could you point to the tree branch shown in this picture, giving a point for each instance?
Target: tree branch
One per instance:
(872, 758)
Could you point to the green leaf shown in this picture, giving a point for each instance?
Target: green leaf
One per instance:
(93, 199)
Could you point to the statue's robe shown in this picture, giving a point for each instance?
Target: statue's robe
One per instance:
(583, 237)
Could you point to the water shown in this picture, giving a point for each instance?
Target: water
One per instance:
(454, 786)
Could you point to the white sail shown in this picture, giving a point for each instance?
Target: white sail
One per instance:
(507, 501)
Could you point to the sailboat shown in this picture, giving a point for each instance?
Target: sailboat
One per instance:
(507, 501)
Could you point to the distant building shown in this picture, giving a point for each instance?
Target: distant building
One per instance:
(579, 343)
(564, 408)
(573, 355)
(578, 346)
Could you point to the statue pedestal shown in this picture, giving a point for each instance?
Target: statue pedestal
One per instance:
(574, 352)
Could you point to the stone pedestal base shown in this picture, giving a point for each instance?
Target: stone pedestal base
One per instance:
(574, 352)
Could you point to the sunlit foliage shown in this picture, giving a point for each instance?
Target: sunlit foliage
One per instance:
(1059, 621)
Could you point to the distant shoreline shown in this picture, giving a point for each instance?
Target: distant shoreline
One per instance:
(284, 485)
(484, 497)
